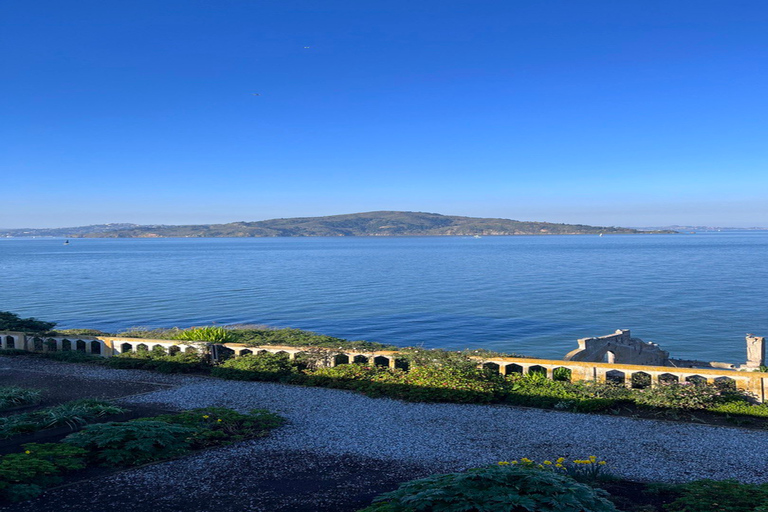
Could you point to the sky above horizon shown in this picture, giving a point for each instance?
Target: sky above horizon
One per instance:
(633, 113)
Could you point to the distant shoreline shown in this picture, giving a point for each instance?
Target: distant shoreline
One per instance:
(369, 224)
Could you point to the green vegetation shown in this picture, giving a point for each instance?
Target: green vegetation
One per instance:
(214, 426)
(25, 475)
(265, 367)
(721, 496)
(72, 414)
(132, 443)
(162, 437)
(209, 334)
(119, 444)
(15, 396)
(494, 488)
(181, 362)
(255, 335)
(12, 322)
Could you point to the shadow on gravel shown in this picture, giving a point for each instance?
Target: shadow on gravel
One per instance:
(276, 481)
(58, 388)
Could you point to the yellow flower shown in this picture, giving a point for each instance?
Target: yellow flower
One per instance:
(548, 462)
(526, 460)
(558, 465)
(503, 463)
(27, 452)
(592, 458)
(602, 463)
(219, 420)
(205, 416)
(560, 460)
(513, 462)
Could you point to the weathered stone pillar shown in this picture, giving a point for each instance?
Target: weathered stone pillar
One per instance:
(755, 351)
(654, 379)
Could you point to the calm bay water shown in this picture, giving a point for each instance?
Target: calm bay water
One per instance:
(695, 295)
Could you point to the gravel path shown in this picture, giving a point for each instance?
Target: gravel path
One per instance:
(416, 438)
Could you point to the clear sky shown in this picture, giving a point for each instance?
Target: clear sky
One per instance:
(631, 113)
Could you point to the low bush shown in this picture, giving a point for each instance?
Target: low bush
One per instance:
(72, 414)
(348, 376)
(687, 396)
(132, 443)
(217, 425)
(741, 409)
(265, 367)
(447, 384)
(13, 322)
(535, 390)
(13, 352)
(71, 356)
(492, 489)
(145, 360)
(15, 396)
(25, 475)
(721, 496)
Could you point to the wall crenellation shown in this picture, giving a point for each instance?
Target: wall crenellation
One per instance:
(621, 358)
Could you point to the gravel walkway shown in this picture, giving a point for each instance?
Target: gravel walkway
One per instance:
(416, 438)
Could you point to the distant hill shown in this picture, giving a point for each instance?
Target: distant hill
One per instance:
(383, 223)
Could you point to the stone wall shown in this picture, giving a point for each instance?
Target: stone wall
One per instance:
(620, 343)
(618, 347)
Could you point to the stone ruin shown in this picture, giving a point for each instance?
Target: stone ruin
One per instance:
(621, 348)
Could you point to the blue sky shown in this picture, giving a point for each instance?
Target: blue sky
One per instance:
(633, 113)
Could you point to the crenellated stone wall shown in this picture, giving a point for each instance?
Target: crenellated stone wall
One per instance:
(619, 343)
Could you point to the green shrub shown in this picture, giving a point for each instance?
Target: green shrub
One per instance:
(421, 384)
(210, 334)
(79, 332)
(265, 367)
(536, 390)
(438, 358)
(73, 414)
(132, 443)
(13, 352)
(147, 333)
(217, 425)
(448, 384)
(15, 396)
(178, 363)
(64, 457)
(158, 361)
(24, 475)
(71, 356)
(347, 373)
(741, 408)
(687, 396)
(723, 496)
(12, 322)
(262, 335)
(492, 489)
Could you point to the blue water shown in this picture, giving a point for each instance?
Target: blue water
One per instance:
(695, 295)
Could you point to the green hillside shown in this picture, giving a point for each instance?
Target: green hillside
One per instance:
(383, 223)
